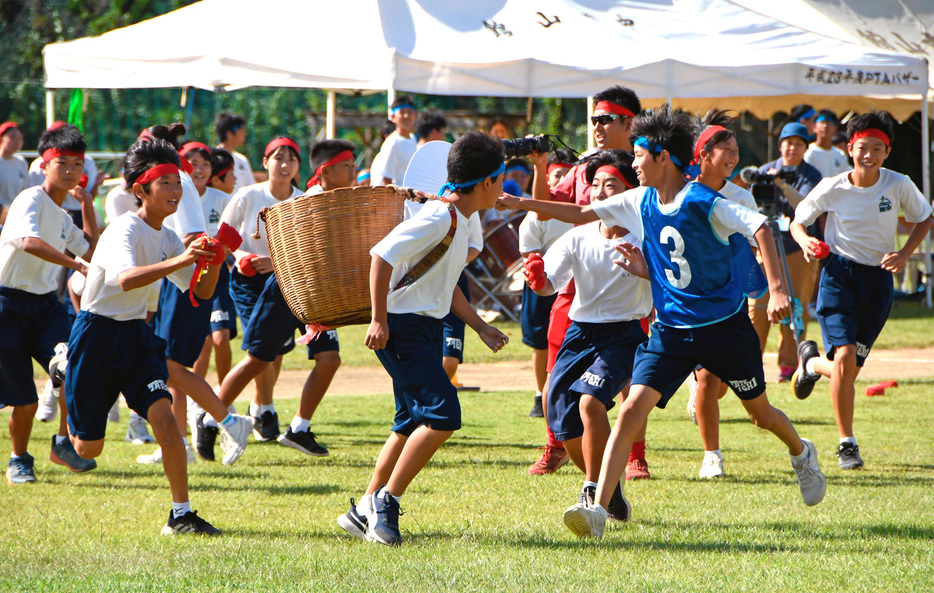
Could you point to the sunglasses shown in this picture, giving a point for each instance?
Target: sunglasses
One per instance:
(606, 118)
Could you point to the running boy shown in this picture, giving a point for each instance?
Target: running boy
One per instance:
(698, 290)
(32, 319)
(111, 348)
(855, 294)
(406, 329)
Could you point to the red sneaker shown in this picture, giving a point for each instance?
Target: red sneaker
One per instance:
(552, 458)
(637, 469)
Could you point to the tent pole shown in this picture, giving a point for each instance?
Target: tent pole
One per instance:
(390, 98)
(49, 108)
(590, 142)
(329, 129)
(926, 188)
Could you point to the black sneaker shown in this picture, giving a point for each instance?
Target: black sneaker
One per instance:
(353, 522)
(189, 523)
(802, 381)
(205, 439)
(266, 427)
(302, 441)
(537, 411)
(619, 508)
(848, 456)
(385, 528)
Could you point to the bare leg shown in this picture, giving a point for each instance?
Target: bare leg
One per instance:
(631, 421)
(450, 364)
(843, 388)
(240, 376)
(63, 413)
(596, 434)
(200, 367)
(540, 364)
(326, 365)
(21, 426)
(179, 405)
(417, 451)
(386, 462)
(576, 453)
(222, 355)
(707, 407)
(182, 379)
(174, 459)
(769, 418)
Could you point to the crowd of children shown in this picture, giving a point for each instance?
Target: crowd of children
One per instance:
(647, 229)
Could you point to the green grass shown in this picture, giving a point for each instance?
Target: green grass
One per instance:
(476, 521)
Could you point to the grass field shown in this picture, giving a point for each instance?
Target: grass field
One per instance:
(476, 521)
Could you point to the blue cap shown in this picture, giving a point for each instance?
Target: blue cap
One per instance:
(512, 188)
(794, 130)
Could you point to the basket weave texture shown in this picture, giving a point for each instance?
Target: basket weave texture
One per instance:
(320, 246)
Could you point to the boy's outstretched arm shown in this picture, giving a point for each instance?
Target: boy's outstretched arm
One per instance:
(559, 210)
(378, 333)
(779, 306)
(492, 337)
(39, 248)
(895, 261)
(145, 275)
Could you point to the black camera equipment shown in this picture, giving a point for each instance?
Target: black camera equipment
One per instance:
(526, 146)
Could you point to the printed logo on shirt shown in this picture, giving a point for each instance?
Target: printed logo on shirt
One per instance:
(885, 204)
(164, 256)
(743, 385)
(214, 216)
(158, 385)
(454, 343)
(63, 231)
(592, 380)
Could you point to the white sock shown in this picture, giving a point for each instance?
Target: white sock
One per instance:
(715, 452)
(254, 410)
(809, 366)
(383, 493)
(538, 394)
(210, 421)
(228, 420)
(588, 485)
(365, 506)
(181, 508)
(59, 440)
(850, 440)
(264, 408)
(300, 424)
(801, 456)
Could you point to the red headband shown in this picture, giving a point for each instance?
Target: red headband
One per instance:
(272, 146)
(615, 173)
(56, 125)
(6, 126)
(223, 172)
(871, 133)
(338, 158)
(145, 135)
(561, 165)
(189, 146)
(51, 153)
(613, 108)
(157, 172)
(705, 137)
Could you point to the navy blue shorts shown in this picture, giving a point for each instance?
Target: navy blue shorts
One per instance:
(728, 349)
(595, 359)
(107, 357)
(31, 325)
(245, 291)
(223, 311)
(536, 310)
(853, 304)
(182, 326)
(424, 393)
(454, 326)
(271, 329)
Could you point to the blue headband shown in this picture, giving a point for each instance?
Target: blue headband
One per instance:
(516, 167)
(403, 106)
(807, 115)
(363, 176)
(654, 148)
(452, 186)
(823, 117)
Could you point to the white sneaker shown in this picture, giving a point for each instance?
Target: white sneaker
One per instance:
(190, 452)
(48, 403)
(712, 466)
(692, 400)
(155, 457)
(137, 432)
(233, 439)
(585, 520)
(114, 414)
(810, 479)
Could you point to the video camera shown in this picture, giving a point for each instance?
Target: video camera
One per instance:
(525, 146)
(763, 190)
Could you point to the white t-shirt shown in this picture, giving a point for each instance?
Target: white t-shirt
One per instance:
(242, 171)
(539, 235)
(188, 218)
(377, 169)
(399, 151)
(128, 243)
(14, 178)
(37, 176)
(213, 203)
(727, 217)
(605, 292)
(830, 162)
(241, 212)
(862, 221)
(741, 196)
(408, 243)
(475, 239)
(118, 202)
(34, 214)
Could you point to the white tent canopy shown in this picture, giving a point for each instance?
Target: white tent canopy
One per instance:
(551, 48)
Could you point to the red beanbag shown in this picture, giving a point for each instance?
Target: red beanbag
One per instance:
(821, 251)
(246, 265)
(535, 271)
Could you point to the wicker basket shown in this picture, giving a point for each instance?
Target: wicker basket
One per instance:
(320, 246)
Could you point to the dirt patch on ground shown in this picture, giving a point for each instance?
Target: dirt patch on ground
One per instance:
(517, 376)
